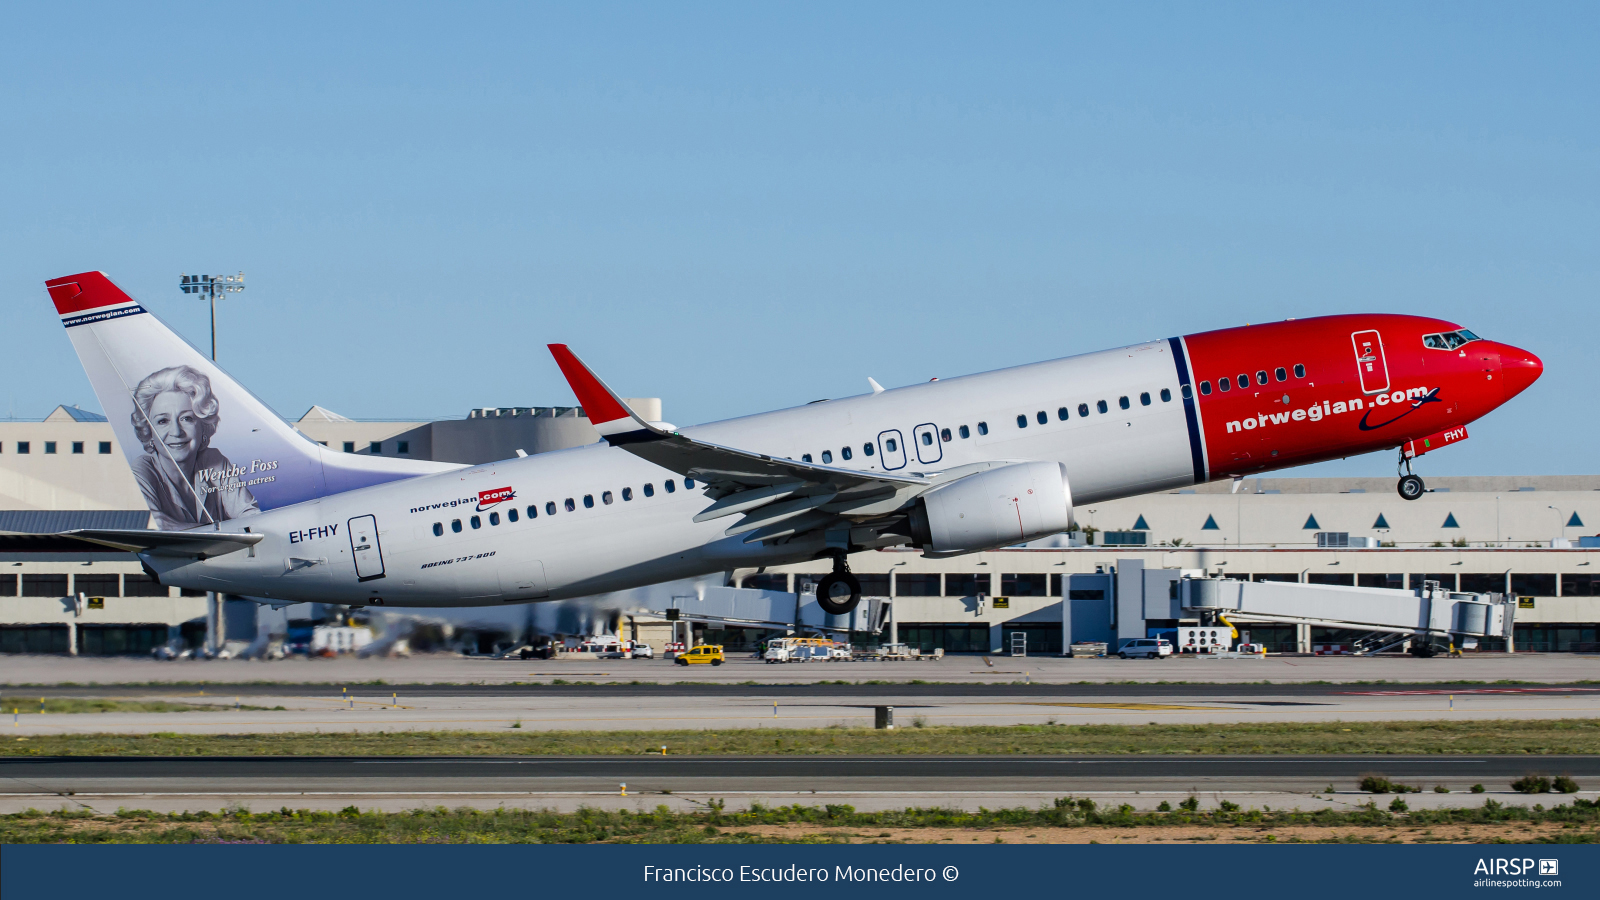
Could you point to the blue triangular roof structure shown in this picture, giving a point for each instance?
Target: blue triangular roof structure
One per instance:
(1210, 525)
(1140, 525)
(1311, 522)
(1381, 523)
(1450, 521)
(1574, 522)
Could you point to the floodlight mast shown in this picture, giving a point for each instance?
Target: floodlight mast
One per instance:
(211, 287)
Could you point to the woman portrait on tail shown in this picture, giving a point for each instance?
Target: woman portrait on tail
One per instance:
(185, 481)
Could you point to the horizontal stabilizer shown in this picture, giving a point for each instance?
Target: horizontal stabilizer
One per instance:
(166, 543)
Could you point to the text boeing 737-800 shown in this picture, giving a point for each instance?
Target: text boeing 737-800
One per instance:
(249, 506)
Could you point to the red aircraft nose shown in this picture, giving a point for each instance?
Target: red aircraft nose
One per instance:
(1518, 369)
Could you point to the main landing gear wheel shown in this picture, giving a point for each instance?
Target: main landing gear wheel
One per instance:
(837, 604)
(1411, 487)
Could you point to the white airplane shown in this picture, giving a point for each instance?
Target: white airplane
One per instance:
(249, 506)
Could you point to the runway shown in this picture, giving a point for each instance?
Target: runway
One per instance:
(105, 784)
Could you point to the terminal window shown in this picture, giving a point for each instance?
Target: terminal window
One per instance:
(918, 584)
(44, 585)
(375, 447)
(22, 446)
(402, 446)
(1533, 584)
(49, 446)
(77, 446)
(1026, 585)
(1483, 582)
(105, 448)
(963, 585)
(1447, 580)
(349, 446)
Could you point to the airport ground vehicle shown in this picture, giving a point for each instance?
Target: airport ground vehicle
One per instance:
(801, 649)
(701, 655)
(1146, 648)
(246, 505)
(641, 650)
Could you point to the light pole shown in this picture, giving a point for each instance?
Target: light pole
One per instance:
(211, 287)
(1561, 521)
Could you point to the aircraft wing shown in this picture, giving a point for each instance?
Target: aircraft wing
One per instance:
(775, 494)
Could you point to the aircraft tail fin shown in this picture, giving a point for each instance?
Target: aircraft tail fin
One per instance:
(202, 447)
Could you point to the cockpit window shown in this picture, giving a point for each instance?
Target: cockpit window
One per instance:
(1449, 340)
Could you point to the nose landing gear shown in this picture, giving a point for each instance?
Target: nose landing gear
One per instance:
(839, 578)
(1410, 486)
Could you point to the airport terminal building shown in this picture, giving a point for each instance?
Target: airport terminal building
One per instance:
(1518, 536)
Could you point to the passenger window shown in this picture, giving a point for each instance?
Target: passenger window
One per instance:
(438, 529)
(944, 435)
(688, 484)
(649, 489)
(892, 445)
(1166, 394)
(511, 514)
(1188, 393)
(455, 525)
(606, 498)
(1062, 414)
(1022, 421)
(927, 439)
(1205, 388)
(1225, 385)
(550, 508)
(868, 449)
(1280, 374)
(475, 522)
(533, 510)
(1244, 382)
(846, 453)
(494, 518)
(1261, 378)
(827, 457)
(1123, 402)
(669, 486)
(1083, 410)
(805, 457)
(1041, 417)
(1299, 371)
(964, 432)
(1144, 398)
(588, 501)
(1101, 405)
(627, 494)
(983, 428)
(570, 504)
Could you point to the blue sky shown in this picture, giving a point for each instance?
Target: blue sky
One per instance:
(746, 206)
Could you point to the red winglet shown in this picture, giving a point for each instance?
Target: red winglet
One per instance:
(599, 404)
(86, 290)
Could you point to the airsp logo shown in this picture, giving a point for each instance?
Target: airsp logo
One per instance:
(1501, 866)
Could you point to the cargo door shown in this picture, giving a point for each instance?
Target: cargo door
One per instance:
(364, 547)
(1370, 362)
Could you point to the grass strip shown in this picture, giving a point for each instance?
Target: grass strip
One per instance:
(1578, 822)
(1530, 737)
(25, 705)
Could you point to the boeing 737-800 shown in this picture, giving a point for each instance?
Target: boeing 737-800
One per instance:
(247, 505)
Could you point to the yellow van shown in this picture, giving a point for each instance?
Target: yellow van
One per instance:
(705, 653)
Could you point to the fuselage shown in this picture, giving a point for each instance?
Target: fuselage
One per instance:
(1146, 417)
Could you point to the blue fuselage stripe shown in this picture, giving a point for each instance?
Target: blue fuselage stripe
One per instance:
(1196, 447)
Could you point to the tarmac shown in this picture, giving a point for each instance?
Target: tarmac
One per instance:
(440, 669)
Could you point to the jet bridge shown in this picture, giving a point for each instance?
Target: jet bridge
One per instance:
(752, 608)
(1389, 617)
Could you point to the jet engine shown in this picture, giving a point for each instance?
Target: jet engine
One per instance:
(999, 507)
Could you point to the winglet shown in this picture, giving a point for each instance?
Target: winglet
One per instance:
(607, 412)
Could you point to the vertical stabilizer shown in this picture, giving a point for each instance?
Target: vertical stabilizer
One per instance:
(203, 449)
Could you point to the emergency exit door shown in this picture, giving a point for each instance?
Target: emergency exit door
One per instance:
(364, 547)
(1370, 362)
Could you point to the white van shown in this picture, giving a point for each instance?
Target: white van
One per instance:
(1146, 648)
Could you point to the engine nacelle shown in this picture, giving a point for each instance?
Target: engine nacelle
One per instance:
(1008, 505)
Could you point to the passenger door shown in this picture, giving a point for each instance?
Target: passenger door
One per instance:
(364, 547)
(929, 450)
(892, 449)
(1370, 362)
